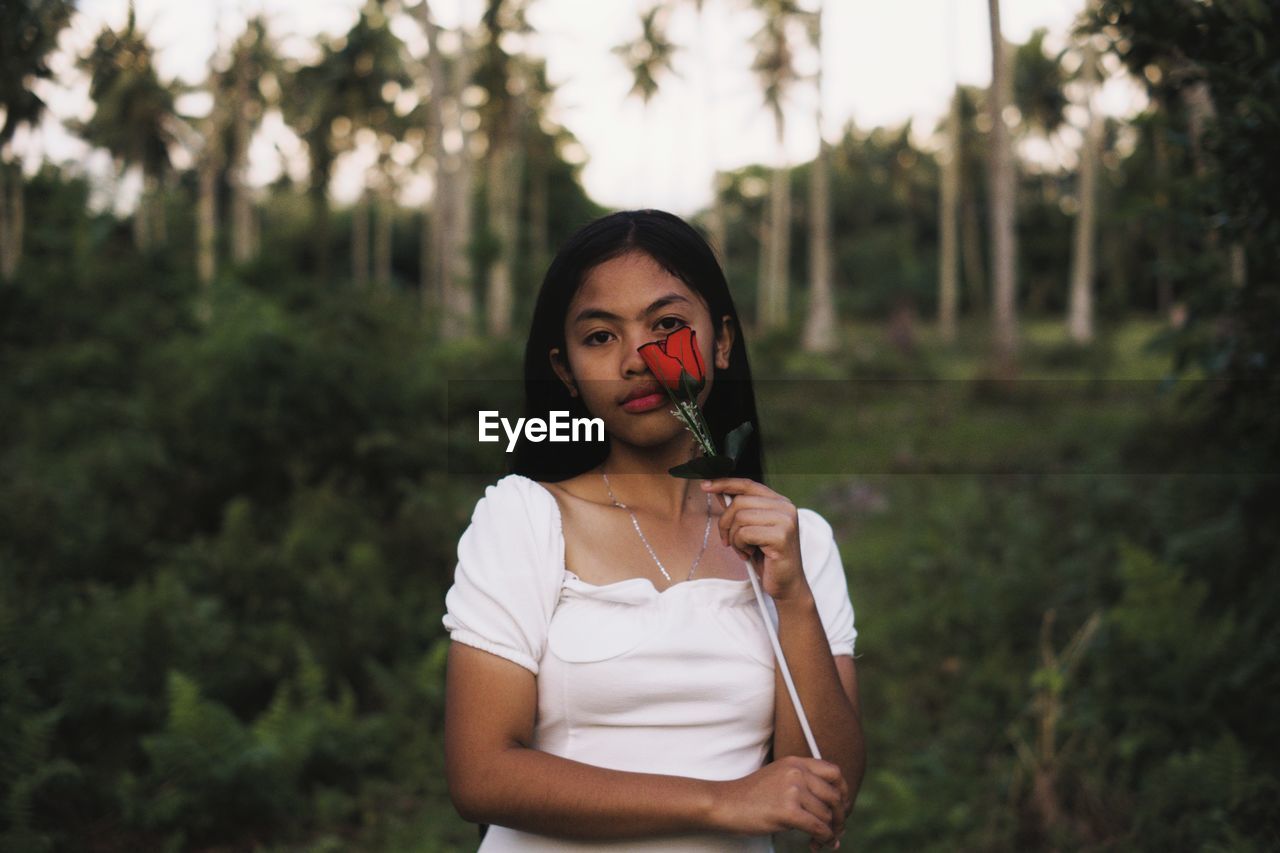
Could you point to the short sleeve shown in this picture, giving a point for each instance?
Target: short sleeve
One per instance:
(823, 567)
(508, 576)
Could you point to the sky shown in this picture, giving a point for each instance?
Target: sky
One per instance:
(883, 63)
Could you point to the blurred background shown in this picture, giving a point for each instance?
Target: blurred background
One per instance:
(1026, 251)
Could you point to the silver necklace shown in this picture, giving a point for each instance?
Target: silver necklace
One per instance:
(636, 524)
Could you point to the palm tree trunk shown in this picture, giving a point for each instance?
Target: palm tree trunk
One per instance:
(975, 272)
(241, 203)
(716, 224)
(1080, 313)
(451, 198)
(762, 264)
(460, 223)
(539, 235)
(503, 183)
(6, 263)
(320, 214)
(142, 217)
(207, 218)
(360, 241)
(160, 224)
(820, 319)
(383, 234)
(773, 308)
(949, 227)
(1002, 200)
(1164, 252)
(11, 215)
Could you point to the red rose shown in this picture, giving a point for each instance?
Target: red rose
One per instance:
(676, 352)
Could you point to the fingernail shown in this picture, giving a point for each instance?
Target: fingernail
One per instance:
(706, 484)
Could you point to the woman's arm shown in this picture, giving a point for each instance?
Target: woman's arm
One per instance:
(495, 777)
(828, 689)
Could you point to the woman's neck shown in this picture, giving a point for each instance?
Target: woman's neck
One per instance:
(639, 479)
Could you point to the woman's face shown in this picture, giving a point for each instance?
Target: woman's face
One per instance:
(623, 303)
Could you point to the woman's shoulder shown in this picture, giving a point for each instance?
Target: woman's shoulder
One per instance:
(513, 490)
(814, 528)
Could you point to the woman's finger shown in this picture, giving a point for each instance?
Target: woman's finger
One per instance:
(747, 537)
(822, 813)
(745, 516)
(737, 486)
(827, 792)
(830, 795)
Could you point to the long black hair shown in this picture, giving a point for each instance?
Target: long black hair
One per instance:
(680, 250)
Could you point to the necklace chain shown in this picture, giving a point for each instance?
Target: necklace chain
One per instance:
(636, 524)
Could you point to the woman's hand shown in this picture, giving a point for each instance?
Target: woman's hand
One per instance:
(807, 794)
(763, 527)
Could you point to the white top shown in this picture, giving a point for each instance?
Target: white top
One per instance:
(679, 682)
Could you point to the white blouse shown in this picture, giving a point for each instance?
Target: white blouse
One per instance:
(678, 682)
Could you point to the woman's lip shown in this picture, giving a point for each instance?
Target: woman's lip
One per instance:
(645, 403)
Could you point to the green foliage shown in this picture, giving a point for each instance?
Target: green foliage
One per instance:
(227, 526)
(225, 549)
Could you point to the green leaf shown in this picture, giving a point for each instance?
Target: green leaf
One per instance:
(737, 439)
(689, 387)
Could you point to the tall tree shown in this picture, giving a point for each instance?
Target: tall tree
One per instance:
(451, 203)
(1002, 200)
(820, 319)
(253, 63)
(345, 90)
(133, 118)
(28, 34)
(373, 59)
(775, 67)
(312, 109)
(649, 58)
(506, 80)
(949, 203)
(716, 222)
(1084, 239)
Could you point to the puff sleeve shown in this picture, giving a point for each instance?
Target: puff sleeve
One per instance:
(509, 572)
(825, 572)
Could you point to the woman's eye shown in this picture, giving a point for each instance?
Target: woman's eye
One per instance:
(666, 324)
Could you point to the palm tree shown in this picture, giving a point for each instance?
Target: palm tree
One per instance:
(1002, 201)
(133, 118)
(1080, 308)
(820, 322)
(28, 34)
(949, 202)
(649, 58)
(210, 160)
(372, 61)
(253, 58)
(450, 216)
(311, 108)
(775, 67)
(506, 79)
(972, 156)
(716, 222)
(329, 100)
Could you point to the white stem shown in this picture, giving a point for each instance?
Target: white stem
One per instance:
(780, 658)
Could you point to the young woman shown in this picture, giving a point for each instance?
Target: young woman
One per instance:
(611, 684)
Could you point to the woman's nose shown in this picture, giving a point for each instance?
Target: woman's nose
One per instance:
(632, 363)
